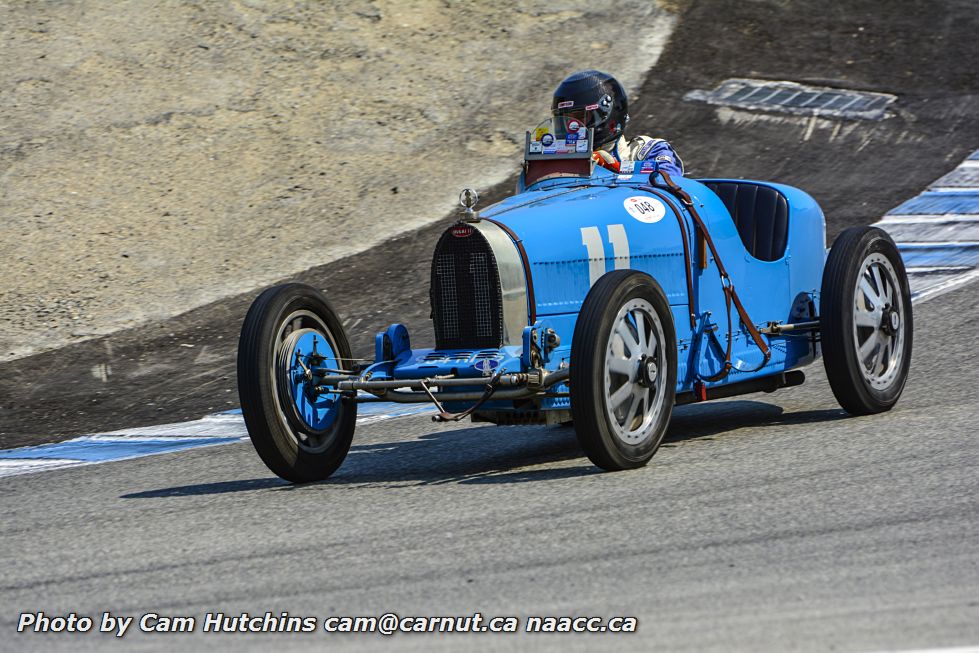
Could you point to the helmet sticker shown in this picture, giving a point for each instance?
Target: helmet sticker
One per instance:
(645, 209)
(591, 107)
(565, 104)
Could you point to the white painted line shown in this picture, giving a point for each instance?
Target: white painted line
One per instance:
(924, 269)
(221, 425)
(14, 467)
(943, 244)
(927, 219)
(954, 649)
(945, 286)
(937, 232)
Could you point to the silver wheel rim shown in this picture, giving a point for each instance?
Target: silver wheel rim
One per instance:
(634, 400)
(878, 322)
(297, 323)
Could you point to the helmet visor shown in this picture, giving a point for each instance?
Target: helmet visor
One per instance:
(570, 122)
(592, 115)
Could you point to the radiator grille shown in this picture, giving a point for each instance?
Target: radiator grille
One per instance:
(465, 292)
(446, 273)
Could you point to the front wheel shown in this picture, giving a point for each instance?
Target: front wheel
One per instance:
(623, 370)
(866, 321)
(300, 433)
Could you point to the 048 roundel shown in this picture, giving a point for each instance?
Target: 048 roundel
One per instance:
(644, 209)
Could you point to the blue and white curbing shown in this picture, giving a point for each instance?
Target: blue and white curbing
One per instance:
(937, 233)
(223, 428)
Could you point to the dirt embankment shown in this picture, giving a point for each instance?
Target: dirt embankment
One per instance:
(158, 156)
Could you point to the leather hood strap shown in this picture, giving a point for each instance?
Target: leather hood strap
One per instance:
(730, 294)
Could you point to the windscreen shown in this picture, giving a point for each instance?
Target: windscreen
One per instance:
(560, 135)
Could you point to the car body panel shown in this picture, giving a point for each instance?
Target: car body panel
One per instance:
(573, 230)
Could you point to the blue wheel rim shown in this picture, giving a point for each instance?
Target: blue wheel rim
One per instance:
(310, 349)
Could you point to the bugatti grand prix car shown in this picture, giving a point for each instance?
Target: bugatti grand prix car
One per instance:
(596, 298)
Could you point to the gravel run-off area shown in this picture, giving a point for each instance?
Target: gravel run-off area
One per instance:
(157, 156)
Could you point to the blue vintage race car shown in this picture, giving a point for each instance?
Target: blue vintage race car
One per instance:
(595, 298)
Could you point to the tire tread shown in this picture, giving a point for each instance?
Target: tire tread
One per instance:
(588, 354)
(266, 432)
(839, 359)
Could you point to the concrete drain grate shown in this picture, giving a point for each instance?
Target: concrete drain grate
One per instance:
(798, 99)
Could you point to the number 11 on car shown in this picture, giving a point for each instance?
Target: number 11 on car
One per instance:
(591, 238)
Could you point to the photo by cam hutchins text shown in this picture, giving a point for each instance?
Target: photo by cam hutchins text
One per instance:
(152, 622)
(386, 624)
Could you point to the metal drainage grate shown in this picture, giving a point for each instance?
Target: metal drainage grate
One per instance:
(789, 97)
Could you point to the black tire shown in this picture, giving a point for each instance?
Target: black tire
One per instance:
(607, 435)
(865, 283)
(287, 444)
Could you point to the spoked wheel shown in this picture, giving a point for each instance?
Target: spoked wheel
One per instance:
(866, 321)
(289, 333)
(623, 370)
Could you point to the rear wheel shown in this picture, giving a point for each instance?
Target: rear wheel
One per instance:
(301, 434)
(623, 370)
(866, 321)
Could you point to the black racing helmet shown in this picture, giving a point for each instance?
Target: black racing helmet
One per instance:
(595, 98)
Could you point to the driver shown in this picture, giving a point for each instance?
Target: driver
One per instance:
(598, 100)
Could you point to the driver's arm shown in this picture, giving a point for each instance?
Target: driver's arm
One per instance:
(644, 148)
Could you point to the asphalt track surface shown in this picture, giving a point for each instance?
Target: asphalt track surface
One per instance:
(769, 522)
